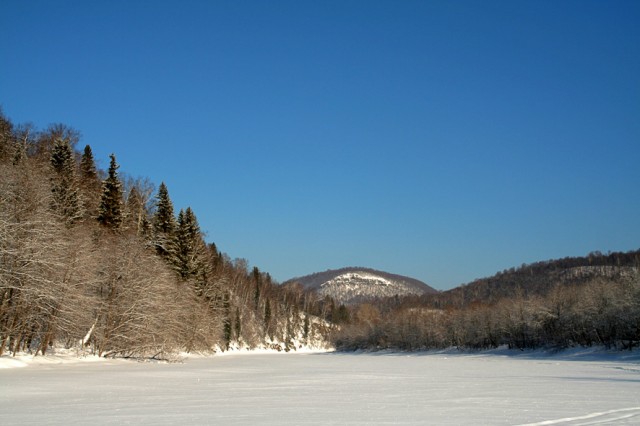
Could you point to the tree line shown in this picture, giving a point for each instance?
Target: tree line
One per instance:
(101, 262)
(97, 261)
(557, 304)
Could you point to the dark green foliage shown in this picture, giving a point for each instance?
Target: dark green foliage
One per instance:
(226, 324)
(257, 279)
(64, 188)
(340, 315)
(215, 257)
(88, 170)
(106, 292)
(110, 208)
(305, 329)
(163, 220)
(238, 325)
(267, 314)
(90, 185)
(189, 250)
(163, 223)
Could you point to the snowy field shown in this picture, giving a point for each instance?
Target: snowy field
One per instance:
(329, 388)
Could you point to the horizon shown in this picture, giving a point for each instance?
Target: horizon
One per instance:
(440, 141)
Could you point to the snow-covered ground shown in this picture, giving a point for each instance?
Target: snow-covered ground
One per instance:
(328, 388)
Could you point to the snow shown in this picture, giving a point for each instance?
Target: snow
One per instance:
(61, 356)
(353, 285)
(446, 387)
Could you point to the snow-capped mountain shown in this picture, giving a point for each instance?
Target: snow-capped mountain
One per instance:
(355, 284)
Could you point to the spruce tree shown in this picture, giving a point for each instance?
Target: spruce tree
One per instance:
(88, 170)
(226, 322)
(267, 318)
(110, 208)
(257, 278)
(64, 187)
(181, 248)
(305, 329)
(189, 254)
(163, 223)
(238, 325)
(89, 183)
(163, 220)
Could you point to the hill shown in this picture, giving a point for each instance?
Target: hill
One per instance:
(107, 267)
(538, 279)
(575, 301)
(356, 284)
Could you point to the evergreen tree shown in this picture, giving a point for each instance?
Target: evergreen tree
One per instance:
(267, 317)
(189, 254)
(65, 195)
(110, 208)
(238, 325)
(305, 329)
(257, 278)
(215, 257)
(182, 247)
(163, 222)
(226, 322)
(88, 170)
(89, 183)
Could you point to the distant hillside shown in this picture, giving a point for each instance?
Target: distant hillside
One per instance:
(540, 277)
(575, 301)
(356, 284)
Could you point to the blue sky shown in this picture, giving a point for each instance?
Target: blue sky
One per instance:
(444, 140)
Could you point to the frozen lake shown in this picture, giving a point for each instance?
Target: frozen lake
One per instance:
(338, 389)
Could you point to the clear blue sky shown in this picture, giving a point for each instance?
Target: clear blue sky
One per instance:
(444, 140)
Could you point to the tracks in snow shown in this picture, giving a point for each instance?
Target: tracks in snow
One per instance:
(619, 417)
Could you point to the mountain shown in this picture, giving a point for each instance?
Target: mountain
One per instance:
(357, 284)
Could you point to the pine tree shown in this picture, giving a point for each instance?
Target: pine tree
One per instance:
(64, 187)
(238, 325)
(89, 183)
(305, 329)
(163, 222)
(226, 322)
(267, 317)
(182, 248)
(110, 208)
(189, 254)
(88, 170)
(257, 278)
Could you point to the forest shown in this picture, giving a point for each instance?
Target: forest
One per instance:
(583, 301)
(98, 261)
